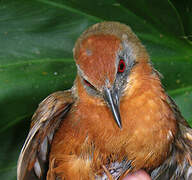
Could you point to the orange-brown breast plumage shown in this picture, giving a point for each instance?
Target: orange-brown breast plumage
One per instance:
(116, 119)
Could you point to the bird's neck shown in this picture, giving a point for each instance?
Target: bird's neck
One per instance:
(144, 77)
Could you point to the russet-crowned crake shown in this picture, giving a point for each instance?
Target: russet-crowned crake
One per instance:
(115, 119)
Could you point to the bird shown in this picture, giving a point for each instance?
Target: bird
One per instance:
(115, 120)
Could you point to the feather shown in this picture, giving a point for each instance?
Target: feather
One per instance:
(179, 163)
(33, 159)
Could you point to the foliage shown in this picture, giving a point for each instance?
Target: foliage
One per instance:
(36, 41)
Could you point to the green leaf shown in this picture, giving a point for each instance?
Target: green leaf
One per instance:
(36, 42)
(184, 9)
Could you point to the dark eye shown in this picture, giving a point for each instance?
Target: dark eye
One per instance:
(121, 66)
(88, 84)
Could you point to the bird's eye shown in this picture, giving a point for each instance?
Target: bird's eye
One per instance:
(121, 66)
(88, 84)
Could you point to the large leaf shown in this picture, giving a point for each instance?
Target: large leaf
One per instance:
(36, 41)
(185, 11)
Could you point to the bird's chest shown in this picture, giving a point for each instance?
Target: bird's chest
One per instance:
(145, 138)
(95, 142)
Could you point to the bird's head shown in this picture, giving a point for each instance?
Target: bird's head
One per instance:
(105, 55)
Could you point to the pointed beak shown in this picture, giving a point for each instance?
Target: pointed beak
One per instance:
(112, 100)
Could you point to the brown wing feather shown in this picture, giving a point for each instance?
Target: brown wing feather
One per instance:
(32, 162)
(178, 166)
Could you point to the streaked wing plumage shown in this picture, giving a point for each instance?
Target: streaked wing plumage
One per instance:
(178, 165)
(33, 159)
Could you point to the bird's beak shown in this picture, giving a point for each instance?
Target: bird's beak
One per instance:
(112, 100)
